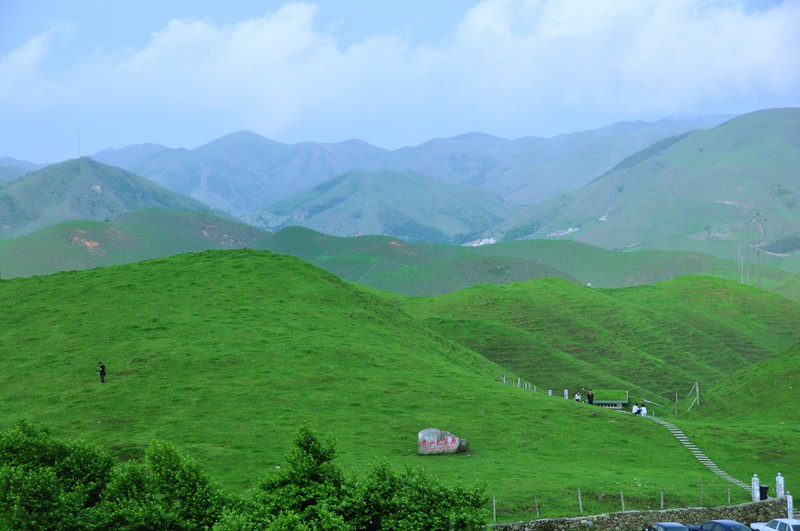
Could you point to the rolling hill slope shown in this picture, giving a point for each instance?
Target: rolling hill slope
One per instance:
(81, 189)
(406, 205)
(696, 191)
(225, 353)
(378, 261)
(129, 237)
(655, 340)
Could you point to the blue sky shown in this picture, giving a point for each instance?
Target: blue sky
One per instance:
(93, 74)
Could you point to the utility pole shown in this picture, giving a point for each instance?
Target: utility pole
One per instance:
(758, 220)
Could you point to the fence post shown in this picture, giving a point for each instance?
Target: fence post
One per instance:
(494, 508)
(789, 504)
(580, 501)
(702, 491)
(779, 486)
(662, 497)
(536, 505)
(754, 488)
(729, 493)
(622, 500)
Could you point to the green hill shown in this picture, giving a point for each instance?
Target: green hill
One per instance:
(225, 353)
(696, 191)
(402, 204)
(430, 269)
(378, 261)
(81, 189)
(777, 376)
(655, 340)
(129, 237)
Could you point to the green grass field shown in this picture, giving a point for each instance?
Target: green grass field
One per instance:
(226, 353)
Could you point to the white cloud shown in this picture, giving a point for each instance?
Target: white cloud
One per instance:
(20, 70)
(511, 67)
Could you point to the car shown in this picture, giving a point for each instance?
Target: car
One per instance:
(779, 524)
(666, 526)
(720, 525)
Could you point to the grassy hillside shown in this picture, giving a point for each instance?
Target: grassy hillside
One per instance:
(129, 237)
(702, 187)
(402, 204)
(655, 340)
(528, 170)
(81, 189)
(430, 269)
(753, 409)
(225, 353)
(378, 261)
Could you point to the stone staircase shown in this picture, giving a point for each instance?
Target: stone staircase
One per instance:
(684, 440)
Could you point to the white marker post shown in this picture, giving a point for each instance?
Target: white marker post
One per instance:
(754, 487)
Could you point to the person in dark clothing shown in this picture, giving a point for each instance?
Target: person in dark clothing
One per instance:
(590, 397)
(102, 370)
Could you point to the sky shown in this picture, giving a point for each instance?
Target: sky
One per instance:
(80, 76)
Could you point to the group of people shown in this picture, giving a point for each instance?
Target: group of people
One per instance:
(589, 397)
(638, 409)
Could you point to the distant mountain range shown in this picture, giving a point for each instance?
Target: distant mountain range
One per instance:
(699, 190)
(243, 172)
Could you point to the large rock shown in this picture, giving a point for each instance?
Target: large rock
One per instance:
(435, 441)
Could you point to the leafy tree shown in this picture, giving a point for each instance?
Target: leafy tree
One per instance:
(129, 503)
(49, 484)
(415, 500)
(32, 498)
(310, 489)
(46, 482)
(182, 487)
(310, 492)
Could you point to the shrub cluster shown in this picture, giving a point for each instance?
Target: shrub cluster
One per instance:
(46, 483)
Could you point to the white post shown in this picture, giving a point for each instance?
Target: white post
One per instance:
(754, 487)
(779, 488)
(549, 392)
(789, 504)
(566, 394)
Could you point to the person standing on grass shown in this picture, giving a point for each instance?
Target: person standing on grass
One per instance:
(102, 370)
(590, 397)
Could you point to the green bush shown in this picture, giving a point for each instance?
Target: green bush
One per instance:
(49, 484)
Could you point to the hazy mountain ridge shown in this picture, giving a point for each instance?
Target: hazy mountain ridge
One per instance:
(243, 171)
(706, 187)
(672, 195)
(81, 189)
(359, 203)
